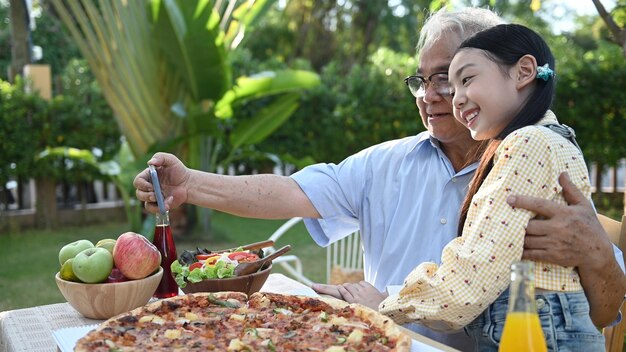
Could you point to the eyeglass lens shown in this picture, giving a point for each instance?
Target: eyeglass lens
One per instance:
(438, 81)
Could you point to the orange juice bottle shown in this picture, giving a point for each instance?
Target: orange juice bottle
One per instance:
(522, 330)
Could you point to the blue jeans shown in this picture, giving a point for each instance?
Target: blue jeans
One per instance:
(564, 319)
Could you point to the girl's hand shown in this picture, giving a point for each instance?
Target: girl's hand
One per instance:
(363, 293)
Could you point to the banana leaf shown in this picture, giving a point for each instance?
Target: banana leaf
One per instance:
(264, 84)
(244, 17)
(189, 36)
(266, 121)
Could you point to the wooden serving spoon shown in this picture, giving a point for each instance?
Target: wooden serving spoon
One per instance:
(249, 247)
(252, 267)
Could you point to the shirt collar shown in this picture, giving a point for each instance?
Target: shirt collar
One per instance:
(548, 118)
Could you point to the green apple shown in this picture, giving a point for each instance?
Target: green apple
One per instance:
(107, 243)
(93, 265)
(70, 250)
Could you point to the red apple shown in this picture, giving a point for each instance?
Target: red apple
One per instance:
(116, 276)
(135, 256)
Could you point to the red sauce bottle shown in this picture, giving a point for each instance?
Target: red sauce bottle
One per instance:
(164, 241)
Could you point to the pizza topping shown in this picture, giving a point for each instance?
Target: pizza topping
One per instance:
(172, 334)
(182, 321)
(237, 345)
(282, 311)
(238, 317)
(355, 336)
(152, 319)
(290, 334)
(268, 344)
(229, 303)
(324, 316)
(191, 316)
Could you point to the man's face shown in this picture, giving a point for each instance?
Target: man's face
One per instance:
(435, 108)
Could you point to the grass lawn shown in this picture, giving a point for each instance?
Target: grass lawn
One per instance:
(29, 260)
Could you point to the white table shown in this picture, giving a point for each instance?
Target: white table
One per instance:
(30, 329)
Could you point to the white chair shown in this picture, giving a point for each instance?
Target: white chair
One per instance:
(344, 257)
(344, 260)
(291, 263)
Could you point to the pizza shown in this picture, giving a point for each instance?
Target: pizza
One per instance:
(232, 321)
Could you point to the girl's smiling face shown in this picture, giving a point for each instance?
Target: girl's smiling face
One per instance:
(486, 95)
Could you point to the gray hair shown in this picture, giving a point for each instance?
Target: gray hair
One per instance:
(465, 22)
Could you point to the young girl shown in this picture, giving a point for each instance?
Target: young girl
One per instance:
(502, 82)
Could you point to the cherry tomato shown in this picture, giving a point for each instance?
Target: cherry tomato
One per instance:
(243, 256)
(196, 265)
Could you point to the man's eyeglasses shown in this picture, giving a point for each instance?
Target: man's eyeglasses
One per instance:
(438, 81)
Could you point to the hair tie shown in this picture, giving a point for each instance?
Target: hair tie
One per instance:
(544, 72)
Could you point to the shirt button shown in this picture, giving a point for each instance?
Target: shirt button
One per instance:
(443, 221)
(454, 179)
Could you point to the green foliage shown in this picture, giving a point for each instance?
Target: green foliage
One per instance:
(86, 110)
(349, 112)
(590, 98)
(30, 124)
(5, 40)
(188, 35)
(57, 46)
(24, 129)
(121, 170)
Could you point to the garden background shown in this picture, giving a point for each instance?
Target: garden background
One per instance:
(238, 87)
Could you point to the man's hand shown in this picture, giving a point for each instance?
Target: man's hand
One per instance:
(571, 235)
(566, 235)
(173, 176)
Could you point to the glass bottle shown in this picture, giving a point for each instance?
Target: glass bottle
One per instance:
(522, 329)
(164, 241)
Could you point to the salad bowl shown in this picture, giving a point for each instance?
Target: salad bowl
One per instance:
(247, 283)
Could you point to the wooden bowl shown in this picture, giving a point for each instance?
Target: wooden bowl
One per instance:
(102, 301)
(248, 284)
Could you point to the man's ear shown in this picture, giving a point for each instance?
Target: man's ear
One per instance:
(526, 71)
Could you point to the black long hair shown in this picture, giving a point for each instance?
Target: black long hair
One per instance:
(505, 44)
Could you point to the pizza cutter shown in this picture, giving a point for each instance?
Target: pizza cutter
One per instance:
(252, 267)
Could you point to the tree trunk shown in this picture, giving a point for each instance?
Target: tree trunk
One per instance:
(46, 207)
(20, 193)
(20, 37)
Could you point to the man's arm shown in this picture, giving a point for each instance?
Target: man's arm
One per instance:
(257, 196)
(572, 236)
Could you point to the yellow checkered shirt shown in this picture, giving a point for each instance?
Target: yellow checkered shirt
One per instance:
(475, 268)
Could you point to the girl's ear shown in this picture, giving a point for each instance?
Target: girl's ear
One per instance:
(526, 71)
